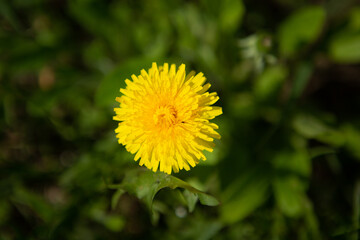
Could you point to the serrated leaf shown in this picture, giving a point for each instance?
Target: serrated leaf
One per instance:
(145, 184)
(208, 200)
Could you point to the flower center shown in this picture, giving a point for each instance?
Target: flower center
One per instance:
(165, 116)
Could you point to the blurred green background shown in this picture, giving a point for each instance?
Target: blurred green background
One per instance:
(288, 76)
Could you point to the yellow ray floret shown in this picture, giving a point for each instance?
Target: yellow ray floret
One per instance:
(164, 118)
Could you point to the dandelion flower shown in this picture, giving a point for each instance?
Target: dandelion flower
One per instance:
(165, 118)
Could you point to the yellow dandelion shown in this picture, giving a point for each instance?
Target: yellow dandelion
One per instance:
(165, 118)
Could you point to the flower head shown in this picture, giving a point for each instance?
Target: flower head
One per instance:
(165, 118)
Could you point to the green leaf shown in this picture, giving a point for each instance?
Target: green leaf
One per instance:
(311, 219)
(8, 14)
(191, 199)
(302, 76)
(35, 202)
(4, 211)
(289, 194)
(97, 211)
(207, 200)
(269, 81)
(302, 27)
(145, 184)
(352, 135)
(297, 162)
(110, 86)
(115, 198)
(311, 127)
(230, 14)
(245, 195)
(354, 23)
(345, 48)
(114, 223)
